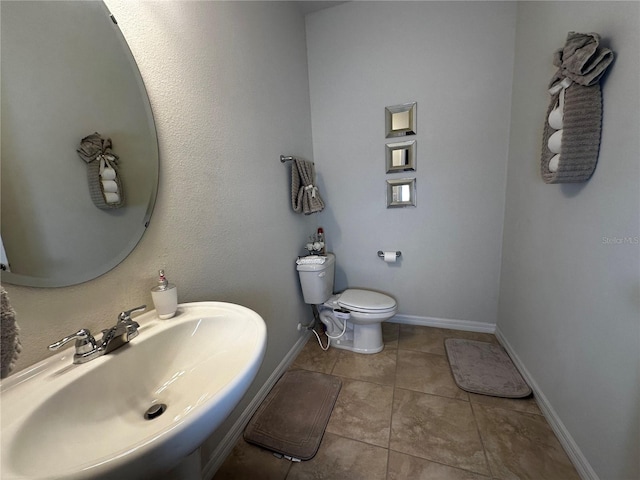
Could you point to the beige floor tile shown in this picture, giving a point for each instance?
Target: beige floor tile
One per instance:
(248, 461)
(438, 429)
(431, 339)
(340, 459)
(377, 368)
(363, 412)
(426, 373)
(406, 467)
(313, 358)
(422, 339)
(526, 405)
(522, 446)
(390, 332)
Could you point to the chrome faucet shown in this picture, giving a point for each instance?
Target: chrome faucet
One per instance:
(87, 348)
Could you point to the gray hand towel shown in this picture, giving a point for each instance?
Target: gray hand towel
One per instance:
(305, 197)
(10, 345)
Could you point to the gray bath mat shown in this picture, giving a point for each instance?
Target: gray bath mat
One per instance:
(485, 368)
(292, 419)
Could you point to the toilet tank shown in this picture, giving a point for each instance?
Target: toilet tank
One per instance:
(317, 280)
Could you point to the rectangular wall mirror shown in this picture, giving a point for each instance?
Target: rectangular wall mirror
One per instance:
(401, 193)
(400, 120)
(401, 157)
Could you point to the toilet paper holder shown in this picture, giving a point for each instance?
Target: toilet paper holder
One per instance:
(381, 254)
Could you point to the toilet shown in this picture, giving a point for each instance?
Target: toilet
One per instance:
(354, 317)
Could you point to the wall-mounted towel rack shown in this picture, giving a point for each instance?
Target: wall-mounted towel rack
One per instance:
(288, 158)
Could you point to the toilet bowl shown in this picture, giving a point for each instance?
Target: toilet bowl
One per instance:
(353, 318)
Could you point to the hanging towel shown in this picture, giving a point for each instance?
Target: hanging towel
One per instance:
(102, 164)
(581, 64)
(305, 197)
(10, 345)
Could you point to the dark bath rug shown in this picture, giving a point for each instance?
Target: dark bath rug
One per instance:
(292, 418)
(484, 368)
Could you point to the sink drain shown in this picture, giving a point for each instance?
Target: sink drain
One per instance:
(155, 411)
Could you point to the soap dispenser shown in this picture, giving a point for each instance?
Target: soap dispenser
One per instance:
(165, 297)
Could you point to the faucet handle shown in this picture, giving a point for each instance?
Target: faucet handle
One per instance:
(84, 341)
(126, 315)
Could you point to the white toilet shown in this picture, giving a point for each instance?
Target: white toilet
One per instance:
(354, 317)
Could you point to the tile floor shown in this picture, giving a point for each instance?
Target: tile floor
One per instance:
(400, 416)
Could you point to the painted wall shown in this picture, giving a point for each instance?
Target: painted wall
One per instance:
(569, 297)
(229, 89)
(455, 59)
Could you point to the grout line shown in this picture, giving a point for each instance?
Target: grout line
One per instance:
(288, 471)
(335, 362)
(393, 400)
(484, 449)
(355, 440)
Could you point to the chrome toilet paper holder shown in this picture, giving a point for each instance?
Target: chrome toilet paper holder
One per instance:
(381, 254)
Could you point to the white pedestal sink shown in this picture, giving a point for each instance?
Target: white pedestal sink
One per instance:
(61, 420)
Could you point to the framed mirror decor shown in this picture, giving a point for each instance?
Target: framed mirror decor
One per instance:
(400, 120)
(401, 193)
(401, 157)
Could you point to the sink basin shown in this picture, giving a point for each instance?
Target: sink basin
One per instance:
(61, 420)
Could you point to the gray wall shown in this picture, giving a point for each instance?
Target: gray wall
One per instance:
(229, 89)
(455, 59)
(569, 297)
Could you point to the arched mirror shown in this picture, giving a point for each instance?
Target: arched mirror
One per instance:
(67, 72)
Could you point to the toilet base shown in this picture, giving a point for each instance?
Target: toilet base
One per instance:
(365, 339)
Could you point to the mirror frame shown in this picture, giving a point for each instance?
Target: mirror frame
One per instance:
(389, 112)
(400, 182)
(410, 148)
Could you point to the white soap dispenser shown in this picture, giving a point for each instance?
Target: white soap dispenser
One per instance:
(165, 297)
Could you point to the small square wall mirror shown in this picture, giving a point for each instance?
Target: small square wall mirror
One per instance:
(401, 157)
(400, 120)
(401, 193)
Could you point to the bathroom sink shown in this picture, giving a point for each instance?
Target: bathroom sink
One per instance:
(61, 420)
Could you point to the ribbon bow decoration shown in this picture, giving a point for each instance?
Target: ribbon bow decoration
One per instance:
(95, 146)
(581, 60)
(313, 189)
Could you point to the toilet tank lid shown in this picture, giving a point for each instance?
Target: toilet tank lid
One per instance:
(366, 299)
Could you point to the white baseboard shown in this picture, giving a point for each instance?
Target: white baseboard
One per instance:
(579, 461)
(226, 445)
(453, 324)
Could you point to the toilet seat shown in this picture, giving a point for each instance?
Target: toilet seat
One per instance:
(366, 301)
